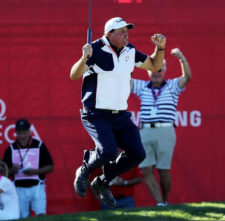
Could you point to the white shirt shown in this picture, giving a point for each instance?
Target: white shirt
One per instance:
(8, 199)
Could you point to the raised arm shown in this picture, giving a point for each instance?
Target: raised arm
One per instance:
(155, 61)
(80, 67)
(186, 71)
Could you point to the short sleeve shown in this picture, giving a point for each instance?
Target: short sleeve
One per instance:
(45, 156)
(174, 87)
(7, 158)
(137, 86)
(139, 58)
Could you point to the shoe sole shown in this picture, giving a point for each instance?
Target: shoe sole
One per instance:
(99, 196)
(79, 193)
(75, 186)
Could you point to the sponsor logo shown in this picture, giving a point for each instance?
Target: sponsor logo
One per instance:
(7, 131)
(183, 118)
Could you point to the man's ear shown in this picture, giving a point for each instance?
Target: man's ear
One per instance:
(108, 34)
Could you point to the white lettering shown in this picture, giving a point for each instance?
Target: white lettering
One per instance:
(34, 132)
(6, 134)
(13, 135)
(9, 131)
(1, 134)
(183, 118)
(195, 118)
(3, 110)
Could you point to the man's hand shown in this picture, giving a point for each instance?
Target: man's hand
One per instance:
(177, 53)
(80, 67)
(30, 171)
(159, 40)
(87, 51)
(186, 71)
(15, 168)
(117, 181)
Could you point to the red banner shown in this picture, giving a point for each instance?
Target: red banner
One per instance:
(40, 41)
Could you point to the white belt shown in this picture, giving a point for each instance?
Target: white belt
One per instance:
(154, 125)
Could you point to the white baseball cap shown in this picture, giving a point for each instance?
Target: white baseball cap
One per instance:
(116, 23)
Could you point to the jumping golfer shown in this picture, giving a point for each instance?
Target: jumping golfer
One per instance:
(106, 66)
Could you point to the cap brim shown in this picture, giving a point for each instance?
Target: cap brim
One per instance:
(22, 128)
(130, 26)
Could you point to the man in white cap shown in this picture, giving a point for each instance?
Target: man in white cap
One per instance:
(106, 65)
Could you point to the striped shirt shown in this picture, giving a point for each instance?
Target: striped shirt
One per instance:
(157, 105)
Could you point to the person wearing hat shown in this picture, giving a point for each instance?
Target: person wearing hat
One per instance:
(106, 66)
(29, 161)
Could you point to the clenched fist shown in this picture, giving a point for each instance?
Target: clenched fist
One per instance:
(159, 40)
(176, 52)
(87, 50)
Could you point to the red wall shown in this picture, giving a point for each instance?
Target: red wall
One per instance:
(40, 41)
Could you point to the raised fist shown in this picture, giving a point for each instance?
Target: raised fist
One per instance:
(159, 40)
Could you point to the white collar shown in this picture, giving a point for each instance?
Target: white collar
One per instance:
(105, 40)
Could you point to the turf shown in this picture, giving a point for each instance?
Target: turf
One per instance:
(181, 212)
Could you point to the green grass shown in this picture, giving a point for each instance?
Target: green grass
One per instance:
(191, 211)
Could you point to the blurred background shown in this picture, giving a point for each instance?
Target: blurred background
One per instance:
(41, 39)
